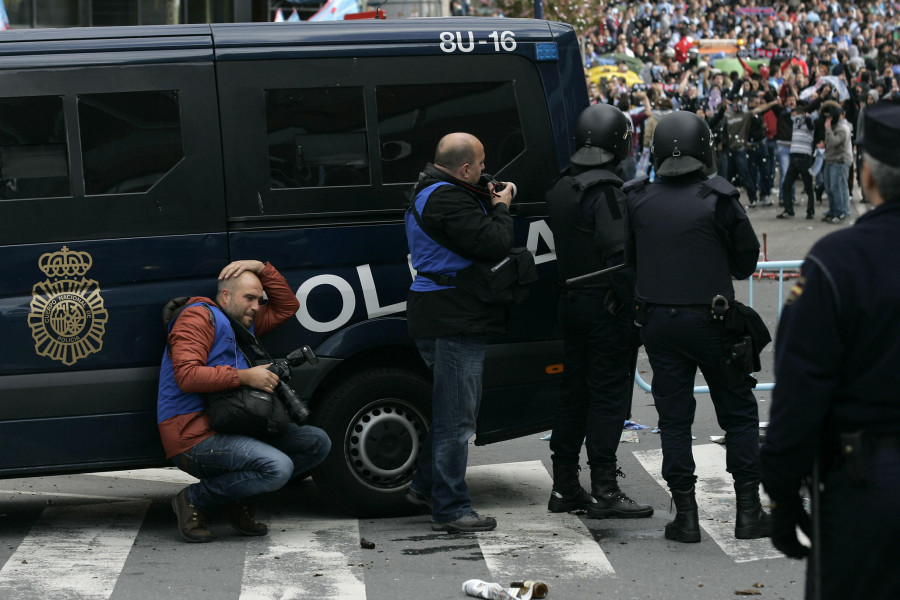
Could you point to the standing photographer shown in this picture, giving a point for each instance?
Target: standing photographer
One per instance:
(202, 357)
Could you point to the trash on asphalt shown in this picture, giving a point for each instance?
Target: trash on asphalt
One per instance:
(482, 589)
(364, 543)
(629, 437)
(717, 439)
(633, 425)
(528, 590)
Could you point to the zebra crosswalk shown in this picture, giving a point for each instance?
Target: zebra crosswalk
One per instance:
(78, 550)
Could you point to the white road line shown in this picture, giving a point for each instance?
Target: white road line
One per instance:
(715, 499)
(305, 558)
(165, 475)
(75, 552)
(530, 542)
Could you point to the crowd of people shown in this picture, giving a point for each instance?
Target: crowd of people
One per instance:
(822, 65)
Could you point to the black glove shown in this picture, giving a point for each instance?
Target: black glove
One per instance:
(787, 515)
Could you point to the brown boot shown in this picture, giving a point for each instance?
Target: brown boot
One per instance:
(192, 523)
(242, 518)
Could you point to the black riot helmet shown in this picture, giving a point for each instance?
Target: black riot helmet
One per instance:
(602, 135)
(682, 144)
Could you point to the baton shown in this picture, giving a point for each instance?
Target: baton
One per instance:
(581, 278)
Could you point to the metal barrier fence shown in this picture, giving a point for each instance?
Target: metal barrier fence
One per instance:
(763, 269)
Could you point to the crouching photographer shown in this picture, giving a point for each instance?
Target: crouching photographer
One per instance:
(205, 362)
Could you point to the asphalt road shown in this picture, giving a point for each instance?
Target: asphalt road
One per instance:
(113, 535)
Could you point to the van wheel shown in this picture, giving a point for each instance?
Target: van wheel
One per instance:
(377, 421)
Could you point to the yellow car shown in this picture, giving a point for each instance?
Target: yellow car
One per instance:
(608, 71)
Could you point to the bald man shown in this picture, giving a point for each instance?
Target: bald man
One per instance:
(452, 222)
(202, 357)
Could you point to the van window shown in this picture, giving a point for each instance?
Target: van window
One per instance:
(129, 140)
(411, 117)
(317, 137)
(34, 160)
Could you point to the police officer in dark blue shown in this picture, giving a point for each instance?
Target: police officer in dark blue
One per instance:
(687, 237)
(587, 216)
(836, 390)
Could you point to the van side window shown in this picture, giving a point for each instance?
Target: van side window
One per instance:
(317, 137)
(34, 159)
(129, 140)
(412, 117)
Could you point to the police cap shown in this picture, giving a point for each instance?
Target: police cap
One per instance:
(880, 132)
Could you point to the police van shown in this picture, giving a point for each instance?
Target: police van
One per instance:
(136, 162)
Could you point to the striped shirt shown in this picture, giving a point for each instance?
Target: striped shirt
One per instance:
(801, 135)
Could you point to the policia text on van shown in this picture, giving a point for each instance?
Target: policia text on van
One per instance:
(136, 162)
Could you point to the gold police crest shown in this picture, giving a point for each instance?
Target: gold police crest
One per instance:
(67, 317)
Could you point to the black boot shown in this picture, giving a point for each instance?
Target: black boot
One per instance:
(611, 502)
(567, 491)
(686, 526)
(752, 521)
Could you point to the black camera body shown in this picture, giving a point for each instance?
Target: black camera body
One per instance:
(295, 406)
(487, 178)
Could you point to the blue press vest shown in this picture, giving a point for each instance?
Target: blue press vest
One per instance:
(171, 400)
(427, 255)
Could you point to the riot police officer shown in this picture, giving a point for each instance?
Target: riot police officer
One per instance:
(587, 210)
(687, 237)
(835, 396)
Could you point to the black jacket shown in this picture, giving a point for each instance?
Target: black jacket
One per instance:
(461, 218)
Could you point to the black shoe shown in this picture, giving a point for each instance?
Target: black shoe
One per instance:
(752, 521)
(419, 500)
(242, 516)
(470, 522)
(751, 205)
(767, 203)
(810, 216)
(567, 492)
(785, 215)
(610, 501)
(686, 526)
(192, 522)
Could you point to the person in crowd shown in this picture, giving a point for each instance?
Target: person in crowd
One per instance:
(801, 159)
(838, 158)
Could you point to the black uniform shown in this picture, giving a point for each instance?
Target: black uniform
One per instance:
(587, 213)
(836, 368)
(688, 236)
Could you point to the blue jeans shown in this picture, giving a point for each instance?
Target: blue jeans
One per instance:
(784, 160)
(742, 166)
(235, 467)
(678, 340)
(457, 363)
(759, 166)
(837, 188)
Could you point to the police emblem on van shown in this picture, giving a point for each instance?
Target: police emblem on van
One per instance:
(67, 317)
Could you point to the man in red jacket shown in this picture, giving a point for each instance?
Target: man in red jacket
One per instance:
(203, 357)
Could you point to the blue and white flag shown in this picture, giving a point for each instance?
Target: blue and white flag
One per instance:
(4, 18)
(294, 18)
(334, 10)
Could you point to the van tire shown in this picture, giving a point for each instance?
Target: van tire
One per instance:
(377, 420)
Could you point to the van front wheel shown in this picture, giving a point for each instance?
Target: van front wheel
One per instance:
(377, 421)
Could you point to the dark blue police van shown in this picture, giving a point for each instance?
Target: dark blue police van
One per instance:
(136, 162)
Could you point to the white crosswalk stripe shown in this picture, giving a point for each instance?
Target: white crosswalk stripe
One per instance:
(73, 552)
(529, 538)
(715, 499)
(326, 550)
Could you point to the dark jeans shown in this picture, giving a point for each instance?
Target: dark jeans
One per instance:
(457, 363)
(678, 340)
(759, 166)
(742, 165)
(236, 467)
(597, 382)
(861, 532)
(799, 167)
